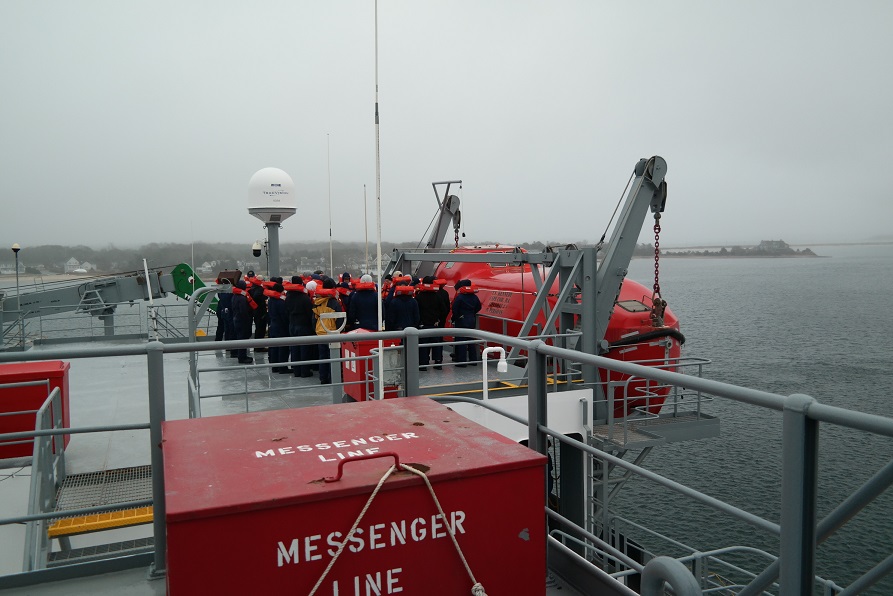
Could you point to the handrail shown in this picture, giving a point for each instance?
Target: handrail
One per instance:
(801, 415)
(47, 470)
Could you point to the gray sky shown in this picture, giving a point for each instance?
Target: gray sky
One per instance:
(133, 122)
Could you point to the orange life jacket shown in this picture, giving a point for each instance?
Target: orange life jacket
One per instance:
(251, 302)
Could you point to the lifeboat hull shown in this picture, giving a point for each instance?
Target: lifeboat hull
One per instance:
(508, 293)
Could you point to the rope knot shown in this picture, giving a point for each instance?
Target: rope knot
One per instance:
(478, 590)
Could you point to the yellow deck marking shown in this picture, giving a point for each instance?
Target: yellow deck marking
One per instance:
(100, 521)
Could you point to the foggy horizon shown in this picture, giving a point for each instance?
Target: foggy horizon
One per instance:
(128, 124)
(316, 244)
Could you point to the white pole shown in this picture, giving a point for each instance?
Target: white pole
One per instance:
(15, 249)
(365, 231)
(192, 264)
(152, 314)
(378, 214)
(329, 172)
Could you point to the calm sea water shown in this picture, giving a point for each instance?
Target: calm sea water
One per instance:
(822, 327)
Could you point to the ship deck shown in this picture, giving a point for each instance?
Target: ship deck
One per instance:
(124, 383)
(112, 391)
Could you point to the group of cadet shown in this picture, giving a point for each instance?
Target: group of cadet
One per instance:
(303, 307)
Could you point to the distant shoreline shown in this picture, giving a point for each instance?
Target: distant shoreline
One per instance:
(49, 277)
(765, 249)
(716, 255)
(804, 245)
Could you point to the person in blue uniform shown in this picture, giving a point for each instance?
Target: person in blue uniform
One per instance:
(362, 312)
(299, 307)
(225, 330)
(243, 314)
(401, 311)
(345, 291)
(261, 317)
(466, 306)
(432, 315)
(278, 324)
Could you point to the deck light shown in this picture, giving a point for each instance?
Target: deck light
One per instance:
(15, 249)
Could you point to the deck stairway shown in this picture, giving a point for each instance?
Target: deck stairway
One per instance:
(657, 430)
(92, 302)
(95, 489)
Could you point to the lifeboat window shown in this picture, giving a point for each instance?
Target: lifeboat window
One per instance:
(449, 265)
(633, 306)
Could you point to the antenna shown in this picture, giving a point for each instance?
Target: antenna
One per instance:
(366, 230)
(378, 211)
(329, 173)
(192, 257)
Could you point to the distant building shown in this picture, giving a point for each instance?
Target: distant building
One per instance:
(773, 246)
(72, 264)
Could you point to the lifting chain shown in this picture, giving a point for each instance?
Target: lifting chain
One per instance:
(658, 304)
(457, 221)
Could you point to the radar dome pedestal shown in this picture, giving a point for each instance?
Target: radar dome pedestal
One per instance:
(271, 199)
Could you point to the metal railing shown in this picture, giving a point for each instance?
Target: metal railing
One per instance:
(61, 323)
(799, 530)
(47, 472)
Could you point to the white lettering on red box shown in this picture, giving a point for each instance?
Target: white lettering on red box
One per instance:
(340, 444)
(375, 536)
(373, 583)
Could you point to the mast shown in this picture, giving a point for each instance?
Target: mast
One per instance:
(380, 389)
(365, 231)
(329, 174)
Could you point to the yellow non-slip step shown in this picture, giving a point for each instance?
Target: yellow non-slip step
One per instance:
(100, 521)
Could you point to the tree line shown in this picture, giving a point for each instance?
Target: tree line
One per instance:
(293, 257)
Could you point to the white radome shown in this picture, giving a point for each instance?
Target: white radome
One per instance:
(271, 195)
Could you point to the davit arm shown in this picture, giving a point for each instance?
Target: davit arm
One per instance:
(447, 215)
(648, 192)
